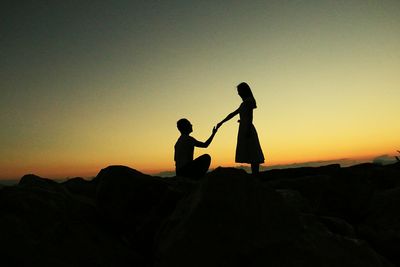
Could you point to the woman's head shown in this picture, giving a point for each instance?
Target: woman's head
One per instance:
(244, 92)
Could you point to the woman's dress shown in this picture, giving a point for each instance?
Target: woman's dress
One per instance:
(248, 148)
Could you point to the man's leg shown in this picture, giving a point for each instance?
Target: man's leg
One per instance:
(201, 165)
(197, 168)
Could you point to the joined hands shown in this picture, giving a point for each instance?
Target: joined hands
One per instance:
(214, 130)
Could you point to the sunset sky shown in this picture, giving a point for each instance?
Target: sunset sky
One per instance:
(86, 85)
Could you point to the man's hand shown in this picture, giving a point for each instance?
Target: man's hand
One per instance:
(215, 130)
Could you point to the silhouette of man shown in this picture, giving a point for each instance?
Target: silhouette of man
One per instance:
(184, 148)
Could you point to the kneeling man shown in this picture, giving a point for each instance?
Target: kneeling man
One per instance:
(184, 148)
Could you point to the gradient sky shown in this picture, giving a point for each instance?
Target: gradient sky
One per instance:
(86, 85)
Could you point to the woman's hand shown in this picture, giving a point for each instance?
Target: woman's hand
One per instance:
(214, 130)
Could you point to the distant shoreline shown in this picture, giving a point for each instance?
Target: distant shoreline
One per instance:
(381, 160)
(8, 182)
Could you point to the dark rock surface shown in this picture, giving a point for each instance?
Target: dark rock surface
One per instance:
(325, 216)
(234, 220)
(42, 224)
(134, 205)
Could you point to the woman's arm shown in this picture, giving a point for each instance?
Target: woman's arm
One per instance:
(230, 116)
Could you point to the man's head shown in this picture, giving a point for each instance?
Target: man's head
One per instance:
(184, 126)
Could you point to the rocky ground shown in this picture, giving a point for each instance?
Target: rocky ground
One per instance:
(325, 216)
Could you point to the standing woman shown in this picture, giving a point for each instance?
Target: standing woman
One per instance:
(248, 149)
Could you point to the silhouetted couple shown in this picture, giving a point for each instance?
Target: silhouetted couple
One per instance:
(248, 149)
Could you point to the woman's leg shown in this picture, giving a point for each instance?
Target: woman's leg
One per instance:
(255, 168)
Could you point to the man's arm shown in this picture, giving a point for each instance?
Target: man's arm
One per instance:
(208, 142)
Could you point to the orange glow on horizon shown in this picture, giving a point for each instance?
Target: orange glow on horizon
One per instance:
(88, 171)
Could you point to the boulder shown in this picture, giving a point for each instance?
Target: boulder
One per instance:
(80, 186)
(311, 188)
(233, 219)
(382, 177)
(41, 224)
(295, 200)
(134, 204)
(382, 226)
(348, 196)
(338, 226)
(289, 173)
(44, 184)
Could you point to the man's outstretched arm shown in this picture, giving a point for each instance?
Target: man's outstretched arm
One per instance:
(209, 140)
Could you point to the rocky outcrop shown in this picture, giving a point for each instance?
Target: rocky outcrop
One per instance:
(134, 205)
(233, 219)
(326, 216)
(42, 224)
(382, 225)
(82, 187)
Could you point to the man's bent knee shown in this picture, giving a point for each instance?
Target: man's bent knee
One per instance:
(205, 157)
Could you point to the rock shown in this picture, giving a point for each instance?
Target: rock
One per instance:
(382, 226)
(233, 219)
(311, 188)
(382, 177)
(34, 181)
(338, 226)
(348, 196)
(295, 200)
(42, 225)
(328, 216)
(180, 184)
(289, 173)
(81, 187)
(134, 204)
(384, 210)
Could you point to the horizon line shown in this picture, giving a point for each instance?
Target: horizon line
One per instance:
(343, 162)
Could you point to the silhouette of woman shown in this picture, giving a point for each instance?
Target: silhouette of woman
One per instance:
(248, 149)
